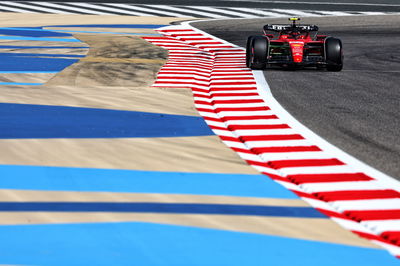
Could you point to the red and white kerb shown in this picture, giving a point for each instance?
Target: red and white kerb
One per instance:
(227, 95)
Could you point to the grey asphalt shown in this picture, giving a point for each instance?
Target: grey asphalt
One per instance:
(327, 5)
(357, 109)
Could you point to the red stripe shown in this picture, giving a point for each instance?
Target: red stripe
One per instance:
(196, 39)
(214, 89)
(333, 214)
(180, 78)
(233, 109)
(238, 101)
(232, 74)
(232, 83)
(357, 195)
(243, 109)
(303, 194)
(218, 128)
(212, 119)
(176, 30)
(320, 178)
(305, 163)
(286, 149)
(241, 150)
(276, 177)
(257, 127)
(226, 138)
(227, 94)
(272, 137)
(263, 164)
(374, 215)
(231, 101)
(392, 236)
(254, 117)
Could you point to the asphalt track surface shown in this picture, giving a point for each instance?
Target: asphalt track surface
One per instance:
(357, 109)
(341, 5)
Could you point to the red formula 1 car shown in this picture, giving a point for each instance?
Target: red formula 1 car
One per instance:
(294, 46)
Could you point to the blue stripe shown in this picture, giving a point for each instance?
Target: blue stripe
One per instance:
(87, 179)
(40, 55)
(174, 208)
(31, 32)
(22, 72)
(38, 39)
(107, 32)
(34, 64)
(127, 244)
(120, 26)
(42, 47)
(44, 121)
(20, 83)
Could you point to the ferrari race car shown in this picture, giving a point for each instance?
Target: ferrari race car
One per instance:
(294, 46)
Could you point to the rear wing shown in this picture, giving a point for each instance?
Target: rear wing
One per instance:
(282, 27)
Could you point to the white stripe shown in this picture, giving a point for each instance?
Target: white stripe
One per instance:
(288, 185)
(362, 205)
(224, 11)
(256, 122)
(258, 132)
(221, 98)
(35, 7)
(234, 144)
(276, 156)
(233, 91)
(278, 143)
(259, 12)
(216, 124)
(334, 13)
(87, 11)
(295, 12)
(351, 225)
(111, 9)
(319, 204)
(382, 225)
(342, 186)
(206, 14)
(211, 115)
(395, 250)
(317, 170)
(141, 8)
(238, 113)
(248, 156)
(15, 9)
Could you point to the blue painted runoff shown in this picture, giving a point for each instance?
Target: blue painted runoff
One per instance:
(172, 208)
(46, 39)
(107, 32)
(13, 62)
(39, 55)
(135, 181)
(131, 243)
(42, 47)
(31, 32)
(119, 26)
(20, 83)
(45, 121)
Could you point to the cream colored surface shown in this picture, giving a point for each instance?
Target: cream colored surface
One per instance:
(187, 154)
(303, 228)
(11, 195)
(36, 20)
(146, 99)
(26, 77)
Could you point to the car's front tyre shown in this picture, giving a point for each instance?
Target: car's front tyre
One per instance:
(333, 54)
(256, 52)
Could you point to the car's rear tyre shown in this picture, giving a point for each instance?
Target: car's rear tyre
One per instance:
(333, 54)
(248, 45)
(256, 52)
